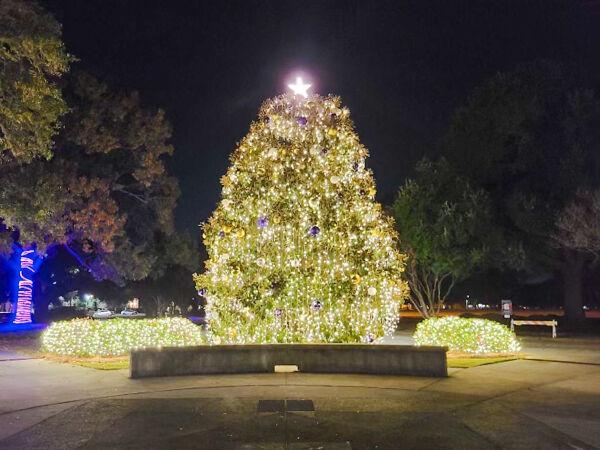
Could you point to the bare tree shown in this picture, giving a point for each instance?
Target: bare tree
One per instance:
(428, 289)
(579, 223)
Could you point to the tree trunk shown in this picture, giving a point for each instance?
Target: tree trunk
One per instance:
(26, 263)
(572, 272)
(428, 290)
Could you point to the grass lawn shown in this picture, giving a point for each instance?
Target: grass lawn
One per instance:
(112, 363)
(103, 365)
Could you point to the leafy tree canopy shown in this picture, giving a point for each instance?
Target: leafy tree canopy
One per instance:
(529, 137)
(32, 58)
(105, 193)
(447, 232)
(444, 222)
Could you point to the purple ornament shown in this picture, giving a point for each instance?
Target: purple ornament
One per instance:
(314, 231)
(316, 305)
(370, 338)
(302, 121)
(355, 167)
(278, 312)
(267, 119)
(262, 222)
(221, 233)
(202, 292)
(324, 150)
(333, 116)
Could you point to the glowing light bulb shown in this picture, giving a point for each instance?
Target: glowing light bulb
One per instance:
(300, 88)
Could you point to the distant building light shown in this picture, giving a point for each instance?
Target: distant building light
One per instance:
(134, 303)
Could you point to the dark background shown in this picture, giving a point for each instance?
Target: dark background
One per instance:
(401, 66)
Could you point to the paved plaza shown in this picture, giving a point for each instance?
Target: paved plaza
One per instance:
(549, 402)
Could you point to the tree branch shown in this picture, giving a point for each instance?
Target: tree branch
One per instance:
(131, 194)
(77, 257)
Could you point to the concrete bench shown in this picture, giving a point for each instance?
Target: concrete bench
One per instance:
(546, 323)
(315, 358)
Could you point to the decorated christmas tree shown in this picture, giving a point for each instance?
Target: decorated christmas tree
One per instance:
(299, 251)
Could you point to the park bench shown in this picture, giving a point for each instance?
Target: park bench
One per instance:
(547, 323)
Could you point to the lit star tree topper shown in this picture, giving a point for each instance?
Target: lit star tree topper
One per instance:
(298, 249)
(299, 87)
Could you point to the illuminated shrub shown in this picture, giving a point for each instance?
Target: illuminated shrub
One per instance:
(477, 336)
(114, 337)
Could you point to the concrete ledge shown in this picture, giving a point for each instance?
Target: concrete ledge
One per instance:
(315, 358)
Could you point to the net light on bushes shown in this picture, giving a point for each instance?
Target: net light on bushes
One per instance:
(465, 335)
(116, 337)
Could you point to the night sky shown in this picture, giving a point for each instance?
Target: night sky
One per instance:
(401, 67)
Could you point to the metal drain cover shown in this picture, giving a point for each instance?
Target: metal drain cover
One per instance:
(271, 406)
(299, 406)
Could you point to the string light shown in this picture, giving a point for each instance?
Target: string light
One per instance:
(297, 225)
(477, 336)
(28, 263)
(116, 337)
